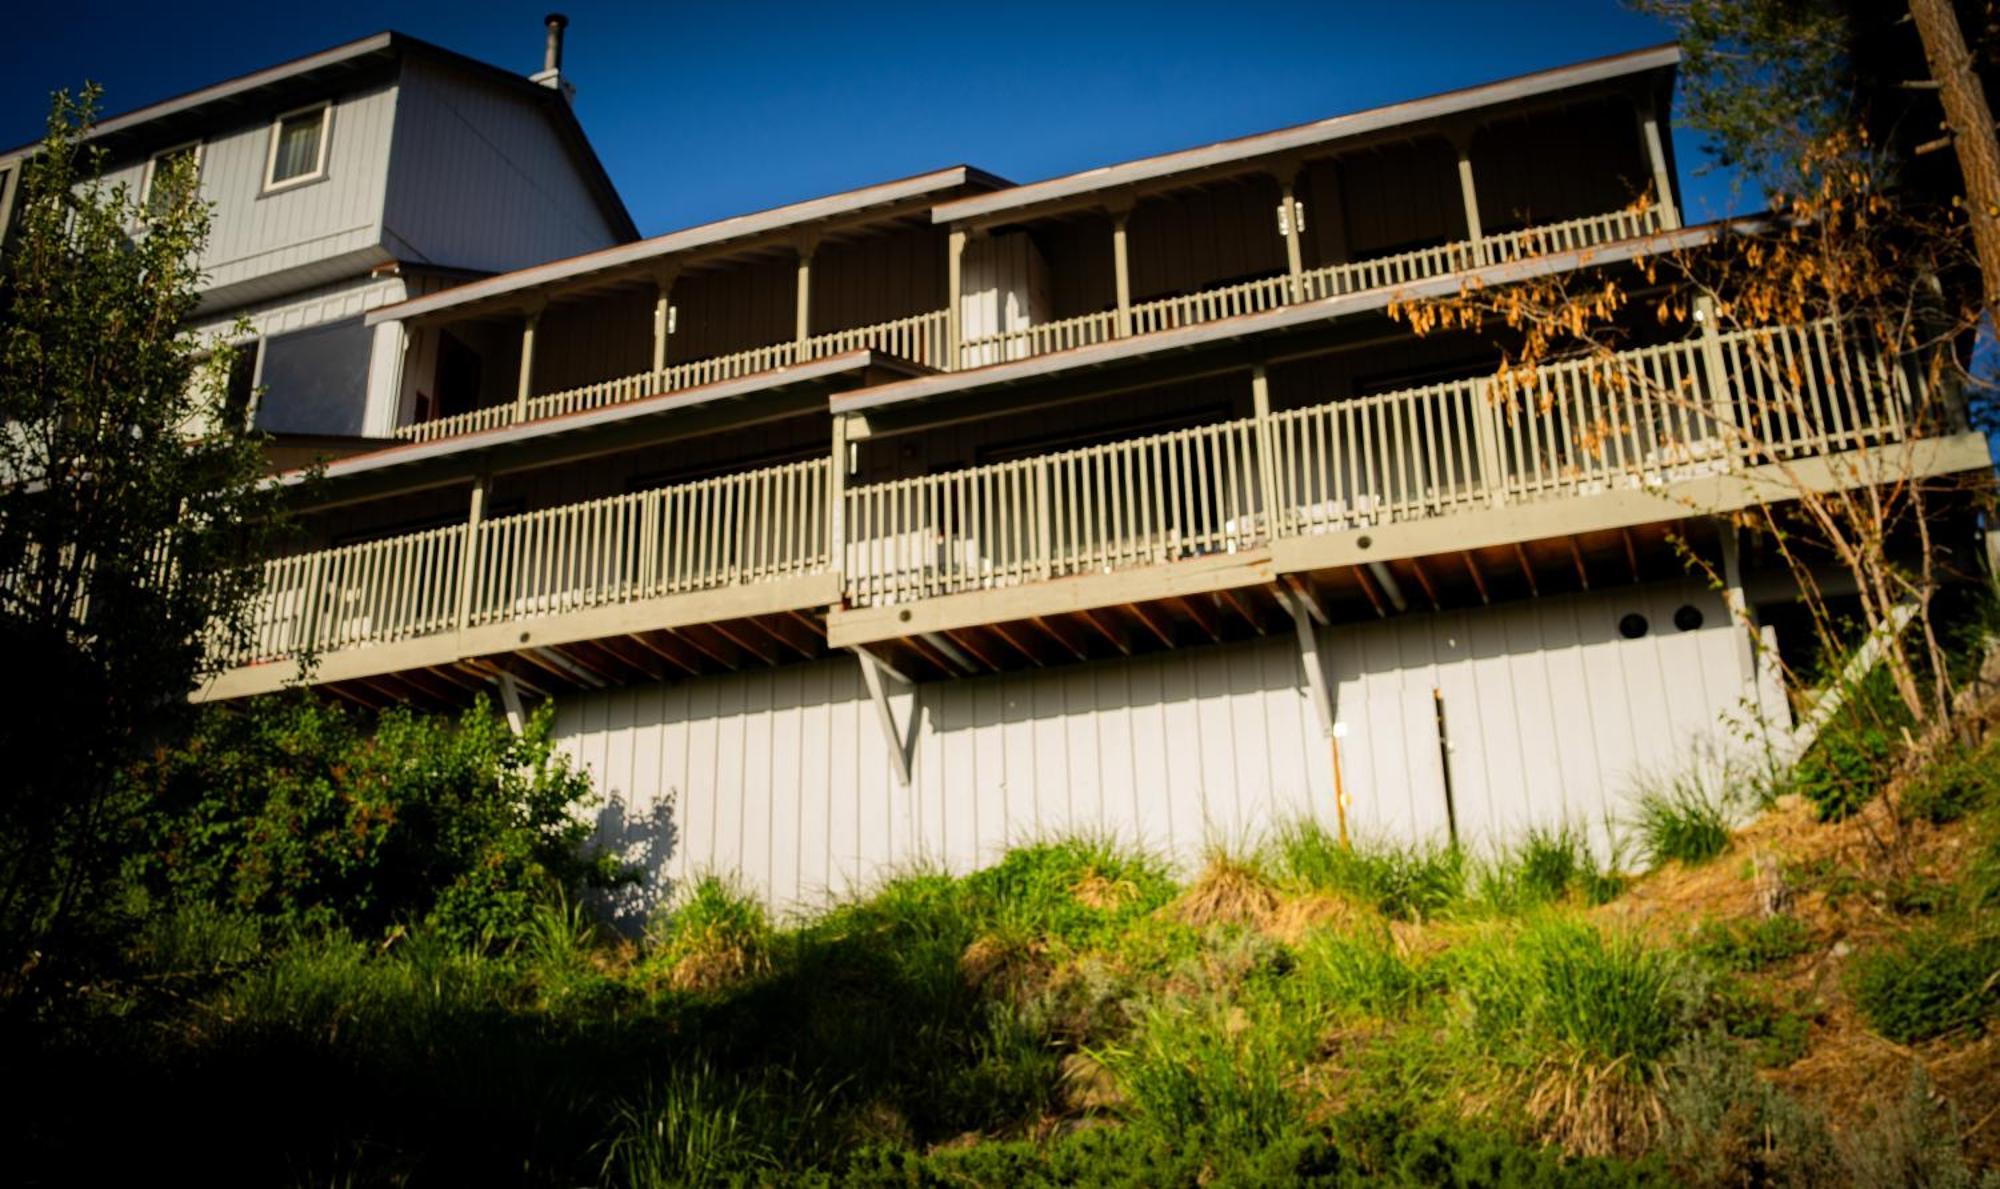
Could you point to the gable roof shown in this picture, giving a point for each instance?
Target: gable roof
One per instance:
(289, 84)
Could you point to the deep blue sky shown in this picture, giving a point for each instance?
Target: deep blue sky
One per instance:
(701, 111)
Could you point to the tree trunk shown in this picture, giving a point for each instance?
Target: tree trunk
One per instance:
(1971, 123)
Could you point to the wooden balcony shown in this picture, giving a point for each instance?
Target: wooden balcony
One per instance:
(739, 568)
(924, 338)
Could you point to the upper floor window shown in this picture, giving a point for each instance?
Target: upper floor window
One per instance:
(152, 195)
(298, 147)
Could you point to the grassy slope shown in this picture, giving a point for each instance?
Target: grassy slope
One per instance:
(1072, 1015)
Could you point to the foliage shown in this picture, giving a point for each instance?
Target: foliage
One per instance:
(1954, 785)
(131, 520)
(718, 935)
(1549, 866)
(306, 815)
(1932, 981)
(1409, 883)
(1742, 946)
(1080, 891)
(1856, 750)
(1682, 822)
(1727, 1127)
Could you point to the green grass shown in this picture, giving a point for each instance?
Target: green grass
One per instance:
(1406, 883)
(1745, 946)
(1548, 866)
(1682, 821)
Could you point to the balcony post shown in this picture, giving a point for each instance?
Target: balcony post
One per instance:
(808, 244)
(1656, 155)
(468, 555)
(1463, 143)
(1121, 267)
(663, 306)
(954, 313)
(1486, 441)
(836, 506)
(521, 391)
(1721, 403)
(1267, 452)
(1290, 214)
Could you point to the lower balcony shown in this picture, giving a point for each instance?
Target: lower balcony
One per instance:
(1032, 558)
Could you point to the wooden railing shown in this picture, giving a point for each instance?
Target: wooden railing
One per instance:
(1103, 508)
(1639, 418)
(920, 338)
(712, 534)
(923, 338)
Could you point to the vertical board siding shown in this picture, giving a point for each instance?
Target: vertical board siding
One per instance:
(877, 278)
(784, 778)
(1535, 170)
(481, 179)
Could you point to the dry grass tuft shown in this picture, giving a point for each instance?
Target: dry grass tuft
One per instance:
(1594, 1108)
(714, 958)
(1097, 891)
(1087, 1085)
(1005, 967)
(1229, 891)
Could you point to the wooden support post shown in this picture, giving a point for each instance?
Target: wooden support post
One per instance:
(807, 245)
(526, 384)
(1473, 230)
(1121, 266)
(873, 673)
(663, 313)
(1291, 214)
(1486, 440)
(1317, 688)
(510, 700)
(1740, 620)
(1267, 450)
(1721, 400)
(836, 504)
(1656, 155)
(468, 554)
(954, 310)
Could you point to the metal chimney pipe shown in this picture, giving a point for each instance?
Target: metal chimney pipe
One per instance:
(552, 54)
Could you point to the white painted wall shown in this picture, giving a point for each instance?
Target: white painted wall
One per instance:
(783, 777)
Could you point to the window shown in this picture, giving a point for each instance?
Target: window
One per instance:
(298, 147)
(152, 197)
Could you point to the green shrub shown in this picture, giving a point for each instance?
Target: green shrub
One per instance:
(1749, 946)
(1931, 982)
(303, 814)
(1856, 750)
(714, 936)
(1408, 883)
(1954, 785)
(1725, 1126)
(1193, 1070)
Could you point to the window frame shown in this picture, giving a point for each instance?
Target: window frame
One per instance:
(153, 169)
(325, 109)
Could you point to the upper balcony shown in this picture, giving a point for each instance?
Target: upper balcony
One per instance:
(1032, 550)
(955, 271)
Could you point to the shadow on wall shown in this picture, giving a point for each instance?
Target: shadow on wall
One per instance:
(647, 839)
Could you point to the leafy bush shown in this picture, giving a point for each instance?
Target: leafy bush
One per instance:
(1728, 1127)
(1856, 750)
(1407, 883)
(1192, 1071)
(1932, 982)
(304, 814)
(1363, 975)
(1954, 785)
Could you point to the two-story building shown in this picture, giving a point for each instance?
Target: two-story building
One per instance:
(907, 522)
(350, 180)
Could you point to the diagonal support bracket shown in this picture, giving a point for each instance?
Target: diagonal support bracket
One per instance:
(1301, 610)
(877, 675)
(510, 700)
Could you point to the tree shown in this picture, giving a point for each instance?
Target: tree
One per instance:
(131, 514)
